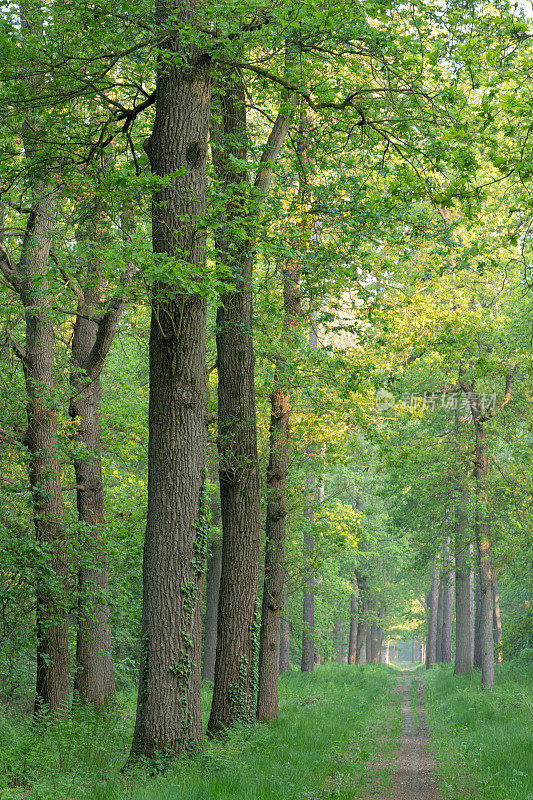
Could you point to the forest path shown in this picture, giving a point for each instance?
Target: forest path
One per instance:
(414, 766)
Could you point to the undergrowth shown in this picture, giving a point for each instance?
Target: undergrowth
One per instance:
(331, 726)
(483, 740)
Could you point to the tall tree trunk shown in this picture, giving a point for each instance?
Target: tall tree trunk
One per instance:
(477, 622)
(354, 608)
(497, 622)
(374, 643)
(285, 638)
(29, 279)
(482, 530)
(447, 604)
(431, 649)
(175, 549)
(440, 610)
(52, 685)
(472, 603)
(237, 436)
(463, 648)
(93, 335)
(267, 696)
(237, 439)
(484, 559)
(362, 626)
(214, 568)
(276, 512)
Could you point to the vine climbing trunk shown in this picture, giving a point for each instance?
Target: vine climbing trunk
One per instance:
(234, 690)
(175, 550)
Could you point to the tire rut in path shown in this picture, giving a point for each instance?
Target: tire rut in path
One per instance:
(414, 768)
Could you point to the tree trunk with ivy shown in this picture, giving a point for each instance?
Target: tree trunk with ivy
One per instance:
(175, 551)
(237, 645)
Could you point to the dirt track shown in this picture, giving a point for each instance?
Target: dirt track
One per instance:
(414, 765)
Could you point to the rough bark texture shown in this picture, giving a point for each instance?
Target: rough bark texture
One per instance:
(267, 697)
(214, 568)
(354, 608)
(463, 645)
(276, 512)
(168, 708)
(237, 436)
(52, 685)
(431, 649)
(237, 442)
(285, 638)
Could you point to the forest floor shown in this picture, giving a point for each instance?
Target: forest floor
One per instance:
(344, 733)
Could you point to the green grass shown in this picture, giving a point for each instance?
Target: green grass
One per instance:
(483, 740)
(332, 724)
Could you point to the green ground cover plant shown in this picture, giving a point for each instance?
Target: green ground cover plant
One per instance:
(332, 724)
(483, 740)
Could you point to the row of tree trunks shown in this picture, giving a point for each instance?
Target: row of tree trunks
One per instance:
(463, 578)
(354, 609)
